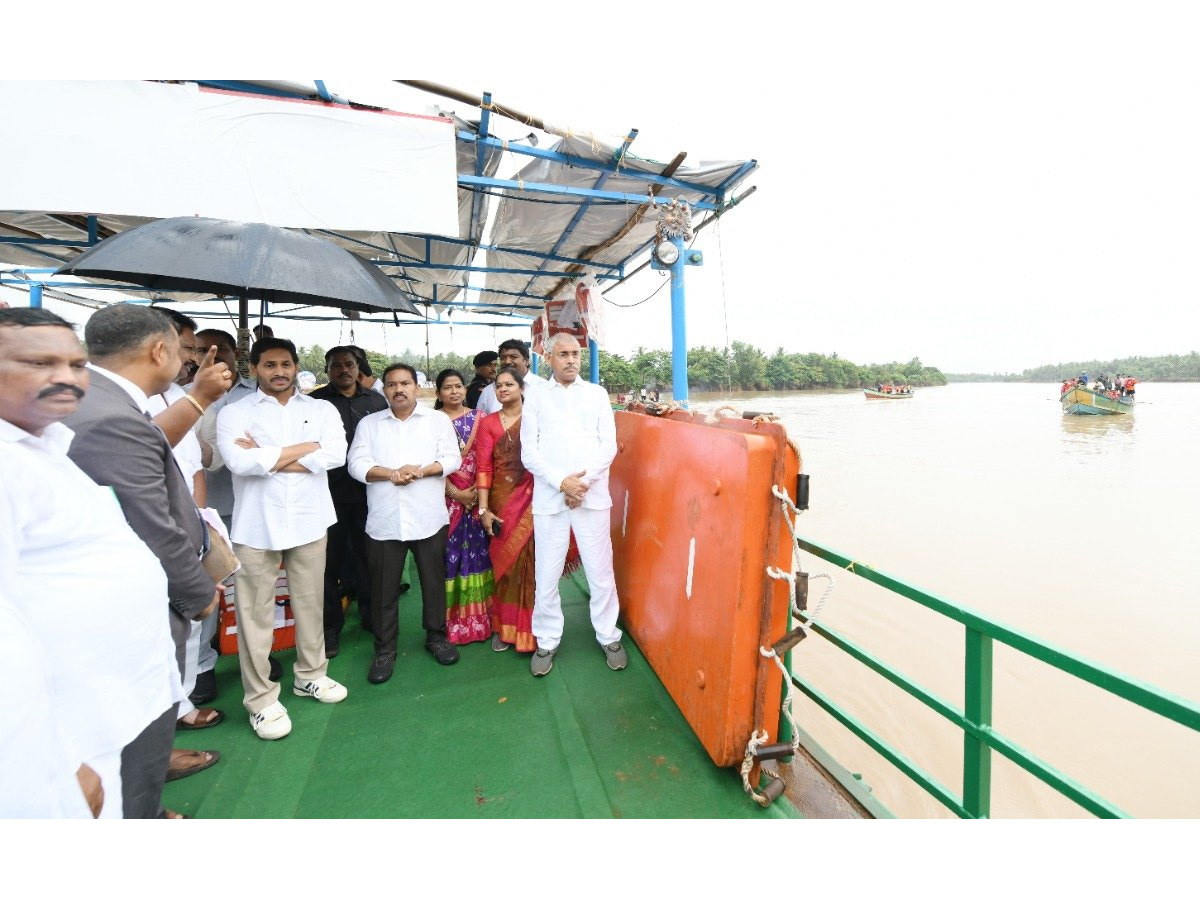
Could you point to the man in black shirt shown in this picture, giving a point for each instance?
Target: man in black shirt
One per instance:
(485, 374)
(349, 496)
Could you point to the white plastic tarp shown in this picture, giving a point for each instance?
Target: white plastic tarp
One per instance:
(537, 221)
(136, 148)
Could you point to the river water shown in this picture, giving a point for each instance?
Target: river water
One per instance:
(1081, 531)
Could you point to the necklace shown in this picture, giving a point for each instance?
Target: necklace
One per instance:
(506, 421)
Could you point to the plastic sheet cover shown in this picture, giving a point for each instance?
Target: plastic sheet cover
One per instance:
(536, 221)
(146, 149)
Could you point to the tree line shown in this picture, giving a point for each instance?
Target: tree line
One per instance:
(1184, 367)
(739, 367)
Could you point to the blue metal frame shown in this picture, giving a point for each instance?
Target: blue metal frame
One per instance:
(580, 162)
(679, 383)
(476, 229)
(538, 187)
(599, 183)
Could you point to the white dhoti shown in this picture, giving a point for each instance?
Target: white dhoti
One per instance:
(552, 534)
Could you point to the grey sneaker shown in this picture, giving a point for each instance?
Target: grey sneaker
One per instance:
(615, 653)
(498, 644)
(542, 662)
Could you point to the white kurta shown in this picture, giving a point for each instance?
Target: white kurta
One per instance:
(37, 777)
(566, 430)
(90, 590)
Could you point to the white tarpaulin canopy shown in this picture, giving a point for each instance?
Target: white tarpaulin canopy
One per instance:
(153, 150)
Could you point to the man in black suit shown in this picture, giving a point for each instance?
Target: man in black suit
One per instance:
(134, 353)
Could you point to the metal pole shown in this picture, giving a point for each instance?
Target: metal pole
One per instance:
(35, 295)
(679, 386)
(593, 361)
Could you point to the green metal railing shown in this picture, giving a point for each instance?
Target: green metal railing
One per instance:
(975, 720)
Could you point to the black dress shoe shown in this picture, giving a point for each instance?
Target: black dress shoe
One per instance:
(276, 668)
(443, 651)
(381, 668)
(333, 644)
(206, 688)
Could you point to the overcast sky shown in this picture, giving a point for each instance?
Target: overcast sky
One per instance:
(987, 190)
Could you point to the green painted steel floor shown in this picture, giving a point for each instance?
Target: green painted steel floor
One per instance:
(480, 739)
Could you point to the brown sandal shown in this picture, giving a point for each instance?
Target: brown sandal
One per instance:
(208, 758)
(206, 717)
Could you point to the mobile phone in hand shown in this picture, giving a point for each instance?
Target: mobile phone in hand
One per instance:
(495, 528)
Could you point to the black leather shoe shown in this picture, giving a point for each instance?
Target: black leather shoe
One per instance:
(206, 688)
(381, 668)
(276, 668)
(443, 651)
(333, 644)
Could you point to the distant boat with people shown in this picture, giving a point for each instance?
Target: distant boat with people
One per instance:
(889, 392)
(1102, 397)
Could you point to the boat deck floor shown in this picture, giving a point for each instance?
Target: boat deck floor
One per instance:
(480, 739)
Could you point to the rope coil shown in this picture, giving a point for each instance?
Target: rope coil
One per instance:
(757, 739)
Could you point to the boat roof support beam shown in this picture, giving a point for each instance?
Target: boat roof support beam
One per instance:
(583, 207)
(580, 162)
(476, 231)
(537, 187)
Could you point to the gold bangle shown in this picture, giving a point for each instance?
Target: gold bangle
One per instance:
(196, 403)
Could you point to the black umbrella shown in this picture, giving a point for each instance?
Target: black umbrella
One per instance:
(248, 260)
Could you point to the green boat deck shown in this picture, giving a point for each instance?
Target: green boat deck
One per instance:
(480, 739)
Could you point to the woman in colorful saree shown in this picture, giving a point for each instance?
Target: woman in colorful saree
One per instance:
(506, 502)
(469, 582)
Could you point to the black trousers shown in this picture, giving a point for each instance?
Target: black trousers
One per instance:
(144, 762)
(347, 543)
(387, 560)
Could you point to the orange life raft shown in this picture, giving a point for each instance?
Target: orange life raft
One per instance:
(694, 528)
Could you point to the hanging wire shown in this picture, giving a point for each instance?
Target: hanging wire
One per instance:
(666, 281)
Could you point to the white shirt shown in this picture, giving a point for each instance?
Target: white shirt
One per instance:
(187, 451)
(413, 511)
(487, 397)
(92, 593)
(220, 483)
(564, 430)
(280, 510)
(138, 395)
(37, 778)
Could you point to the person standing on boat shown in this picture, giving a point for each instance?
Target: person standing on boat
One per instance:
(514, 354)
(87, 590)
(279, 443)
(469, 580)
(219, 482)
(135, 354)
(349, 532)
(506, 511)
(485, 374)
(403, 455)
(568, 442)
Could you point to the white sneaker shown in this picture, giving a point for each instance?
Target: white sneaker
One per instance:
(324, 689)
(271, 723)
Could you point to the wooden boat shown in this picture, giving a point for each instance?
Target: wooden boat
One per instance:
(1078, 400)
(884, 395)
